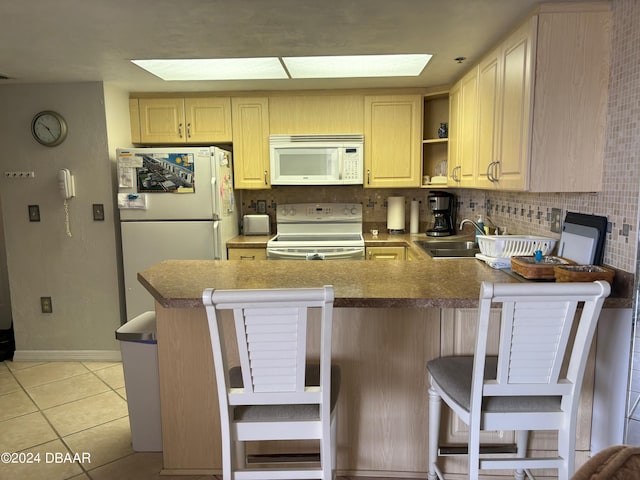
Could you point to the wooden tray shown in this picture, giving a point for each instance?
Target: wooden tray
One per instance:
(542, 270)
(583, 273)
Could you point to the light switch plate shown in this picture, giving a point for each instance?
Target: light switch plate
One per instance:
(98, 212)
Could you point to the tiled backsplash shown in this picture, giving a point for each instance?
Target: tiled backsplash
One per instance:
(520, 213)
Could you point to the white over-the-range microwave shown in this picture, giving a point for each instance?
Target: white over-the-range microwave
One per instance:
(316, 159)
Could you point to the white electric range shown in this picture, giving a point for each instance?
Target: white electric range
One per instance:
(317, 231)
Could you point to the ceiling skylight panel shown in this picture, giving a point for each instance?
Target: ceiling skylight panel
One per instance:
(345, 66)
(214, 68)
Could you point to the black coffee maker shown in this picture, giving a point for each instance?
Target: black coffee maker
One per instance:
(442, 205)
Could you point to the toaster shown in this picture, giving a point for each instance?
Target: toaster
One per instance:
(256, 225)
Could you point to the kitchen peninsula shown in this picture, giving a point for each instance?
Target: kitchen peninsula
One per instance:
(390, 318)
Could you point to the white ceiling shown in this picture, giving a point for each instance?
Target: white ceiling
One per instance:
(94, 40)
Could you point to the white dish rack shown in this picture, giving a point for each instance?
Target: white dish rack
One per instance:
(497, 250)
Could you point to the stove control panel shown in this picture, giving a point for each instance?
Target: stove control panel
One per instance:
(322, 212)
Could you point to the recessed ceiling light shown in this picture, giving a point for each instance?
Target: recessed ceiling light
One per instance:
(405, 65)
(215, 68)
(344, 66)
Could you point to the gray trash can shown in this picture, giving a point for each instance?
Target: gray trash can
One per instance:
(140, 364)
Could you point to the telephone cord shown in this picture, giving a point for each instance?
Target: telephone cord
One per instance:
(66, 218)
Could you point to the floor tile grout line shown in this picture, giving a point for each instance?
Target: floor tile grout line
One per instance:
(44, 414)
(52, 381)
(57, 433)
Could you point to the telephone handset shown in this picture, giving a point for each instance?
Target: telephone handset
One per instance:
(66, 184)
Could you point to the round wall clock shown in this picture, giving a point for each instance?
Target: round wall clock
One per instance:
(49, 128)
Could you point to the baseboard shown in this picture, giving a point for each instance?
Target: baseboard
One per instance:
(67, 356)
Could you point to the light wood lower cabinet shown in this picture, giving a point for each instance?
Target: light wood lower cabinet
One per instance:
(247, 254)
(386, 253)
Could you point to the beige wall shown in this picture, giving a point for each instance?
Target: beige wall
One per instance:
(79, 273)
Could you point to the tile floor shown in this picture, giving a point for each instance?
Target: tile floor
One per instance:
(71, 408)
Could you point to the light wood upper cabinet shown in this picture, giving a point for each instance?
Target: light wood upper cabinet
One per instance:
(208, 119)
(488, 116)
(250, 118)
(542, 97)
(504, 110)
(510, 170)
(311, 114)
(570, 100)
(392, 140)
(134, 117)
(184, 120)
(463, 108)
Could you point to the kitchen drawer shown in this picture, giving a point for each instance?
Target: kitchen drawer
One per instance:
(247, 253)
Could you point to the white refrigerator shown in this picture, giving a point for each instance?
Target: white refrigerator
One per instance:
(174, 203)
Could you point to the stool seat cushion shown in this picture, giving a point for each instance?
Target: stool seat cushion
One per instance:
(286, 412)
(454, 374)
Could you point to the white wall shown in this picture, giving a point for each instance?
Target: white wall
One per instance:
(79, 273)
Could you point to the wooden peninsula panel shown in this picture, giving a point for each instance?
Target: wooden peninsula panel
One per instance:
(390, 318)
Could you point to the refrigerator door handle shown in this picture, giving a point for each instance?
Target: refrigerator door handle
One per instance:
(214, 196)
(217, 241)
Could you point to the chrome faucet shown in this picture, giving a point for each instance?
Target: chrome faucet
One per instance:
(466, 220)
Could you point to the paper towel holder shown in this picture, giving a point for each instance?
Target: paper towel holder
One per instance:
(395, 215)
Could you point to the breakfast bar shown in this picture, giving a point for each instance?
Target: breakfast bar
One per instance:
(390, 318)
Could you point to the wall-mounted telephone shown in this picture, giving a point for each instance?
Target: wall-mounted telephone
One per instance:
(67, 186)
(66, 183)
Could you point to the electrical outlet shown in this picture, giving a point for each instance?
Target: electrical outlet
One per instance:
(34, 213)
(261, 206)
(556, 222)
(45, 305)
(98, 212)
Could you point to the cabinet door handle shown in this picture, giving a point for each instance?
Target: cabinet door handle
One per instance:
(368, 177)
(180, 130)
(265, 178)
(492, 168)
(489, 175)
(494, 172)
(188, 130)
(247, 257)
(454, 175)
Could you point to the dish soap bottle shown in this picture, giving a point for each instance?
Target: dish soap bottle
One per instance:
(481, 225)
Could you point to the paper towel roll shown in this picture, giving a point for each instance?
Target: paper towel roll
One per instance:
(395, 213)
(414, 219)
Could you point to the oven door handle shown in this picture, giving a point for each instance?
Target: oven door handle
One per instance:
(355, 253)
(350, 254)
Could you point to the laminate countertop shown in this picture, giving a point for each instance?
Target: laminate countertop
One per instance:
(425, 282)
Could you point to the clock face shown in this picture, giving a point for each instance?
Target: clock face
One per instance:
(49, 128)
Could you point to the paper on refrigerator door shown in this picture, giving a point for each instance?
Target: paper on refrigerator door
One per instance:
(132, 201)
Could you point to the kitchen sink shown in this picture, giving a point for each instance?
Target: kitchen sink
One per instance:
(449, 249)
